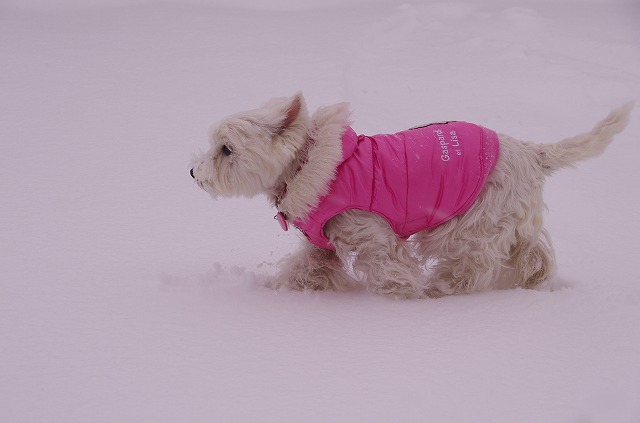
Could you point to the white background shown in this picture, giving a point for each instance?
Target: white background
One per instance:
(128, 295)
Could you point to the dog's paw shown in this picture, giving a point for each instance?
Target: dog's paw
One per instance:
(315, 281)
(439, 289)
(398, 289)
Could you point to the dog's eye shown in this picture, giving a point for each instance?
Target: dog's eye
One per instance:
(226, 150)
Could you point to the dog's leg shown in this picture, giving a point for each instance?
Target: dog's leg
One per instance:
(470, 252)
(314, 268)
(533, 260)
(476, 270)
(386, 262)
(479, 252)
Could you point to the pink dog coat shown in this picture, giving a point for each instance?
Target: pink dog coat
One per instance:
(415, 179)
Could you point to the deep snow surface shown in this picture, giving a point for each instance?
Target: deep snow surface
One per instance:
(128, 295)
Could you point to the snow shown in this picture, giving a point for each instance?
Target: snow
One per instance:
(127, 295)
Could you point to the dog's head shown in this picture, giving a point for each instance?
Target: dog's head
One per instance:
(251, 150)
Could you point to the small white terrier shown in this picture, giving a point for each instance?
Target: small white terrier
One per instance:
(477, 221)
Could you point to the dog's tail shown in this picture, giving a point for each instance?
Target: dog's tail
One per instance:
(567, 152)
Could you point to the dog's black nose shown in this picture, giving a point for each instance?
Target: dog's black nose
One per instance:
(191, 173)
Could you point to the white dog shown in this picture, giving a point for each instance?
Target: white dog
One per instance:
(441, 209)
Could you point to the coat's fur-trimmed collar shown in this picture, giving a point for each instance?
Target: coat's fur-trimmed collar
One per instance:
(316, 167)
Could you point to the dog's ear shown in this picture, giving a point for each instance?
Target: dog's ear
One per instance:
(280, 113)
(292, 110)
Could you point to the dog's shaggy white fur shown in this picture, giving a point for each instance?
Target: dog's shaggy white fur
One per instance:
(281, 151)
